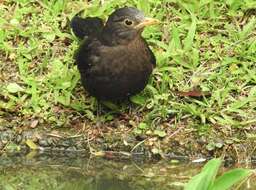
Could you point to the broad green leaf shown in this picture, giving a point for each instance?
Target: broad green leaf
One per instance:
(110, 105)
(50, 37)
(160, 133)
(230, 178)
(12, 147)
(196, 183)
(143, 126)
(205, 179)
(211, 169)
(31, 144)
(14, 22)
(14, 88)
(140, 100)
(65, 100)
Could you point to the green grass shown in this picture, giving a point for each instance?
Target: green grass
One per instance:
(207, 45)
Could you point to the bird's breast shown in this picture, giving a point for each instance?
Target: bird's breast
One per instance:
(119, 71)
(125, 62)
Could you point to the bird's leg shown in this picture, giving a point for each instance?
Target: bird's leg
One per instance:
(130, 105)
(130, 108)
(98, 114)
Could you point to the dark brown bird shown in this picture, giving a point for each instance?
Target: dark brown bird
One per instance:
(114, 60)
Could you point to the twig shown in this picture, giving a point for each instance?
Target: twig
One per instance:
(174, 133)
(137, 145)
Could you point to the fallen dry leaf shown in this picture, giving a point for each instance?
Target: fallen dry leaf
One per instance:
(192, 93)
(34, 124)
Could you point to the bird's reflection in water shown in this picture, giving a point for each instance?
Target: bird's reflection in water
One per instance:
(111, 184)
(77, 181)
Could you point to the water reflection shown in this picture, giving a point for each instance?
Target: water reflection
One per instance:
(78, 172)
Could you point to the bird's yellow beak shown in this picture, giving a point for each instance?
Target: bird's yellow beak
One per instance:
(147, 22)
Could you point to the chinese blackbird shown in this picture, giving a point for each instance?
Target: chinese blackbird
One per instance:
(113, 59)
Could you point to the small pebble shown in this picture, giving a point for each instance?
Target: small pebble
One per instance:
(43, 142)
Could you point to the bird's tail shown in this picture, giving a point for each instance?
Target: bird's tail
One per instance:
(85, 27)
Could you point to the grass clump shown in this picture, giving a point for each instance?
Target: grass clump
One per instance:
(209, 46)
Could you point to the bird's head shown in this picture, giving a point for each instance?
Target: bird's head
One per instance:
(127, 23)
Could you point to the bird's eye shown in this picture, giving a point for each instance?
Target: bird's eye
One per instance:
(128, 22)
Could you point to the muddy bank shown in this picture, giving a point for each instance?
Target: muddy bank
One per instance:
(117, 140)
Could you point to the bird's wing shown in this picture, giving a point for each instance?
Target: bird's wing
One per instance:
(85, 27)
(88, 54)
(151, 54)
(152, 57)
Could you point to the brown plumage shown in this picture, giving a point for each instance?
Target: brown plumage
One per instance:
(114, 61)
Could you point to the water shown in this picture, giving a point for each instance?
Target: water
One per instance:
(75, 172)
